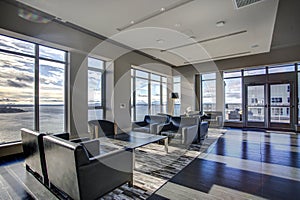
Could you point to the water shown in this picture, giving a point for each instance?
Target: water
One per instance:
(51, 120)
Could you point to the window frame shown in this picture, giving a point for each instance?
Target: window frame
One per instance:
(133, 78)
(36, 83)
(103, 87)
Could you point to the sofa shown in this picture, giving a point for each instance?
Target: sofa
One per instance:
(78, 170)
(150, 123)
(182, 129)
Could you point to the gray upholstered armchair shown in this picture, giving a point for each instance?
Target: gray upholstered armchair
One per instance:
(80, 173)
(149, 124)
(184, 129)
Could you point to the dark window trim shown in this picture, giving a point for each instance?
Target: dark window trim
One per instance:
(36, 74)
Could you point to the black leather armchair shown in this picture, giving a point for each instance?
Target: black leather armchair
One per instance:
(83, 175)
(100, 128)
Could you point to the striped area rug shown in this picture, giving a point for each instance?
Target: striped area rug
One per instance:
(154, 166)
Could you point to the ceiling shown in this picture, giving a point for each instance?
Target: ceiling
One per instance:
(176, 31)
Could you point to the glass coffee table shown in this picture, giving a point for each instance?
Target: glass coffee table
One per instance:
(133, 140)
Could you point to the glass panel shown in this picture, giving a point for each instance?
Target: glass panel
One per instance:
(256, 95)
(51, 96)
(95, 63)
(142, 74)
(95, 114)
(155, 97)
(233, 99)
(281, 69)
(141, 98)
(209, 95)
(15, 45)
(17, 96)
(256, 103)
(256, 114)
(280, 103)
(155, 77)
(232, 74)
(176, 79)
(94, 88)
(164, 79)
(208, 76)
(252, 72)
(51, 53)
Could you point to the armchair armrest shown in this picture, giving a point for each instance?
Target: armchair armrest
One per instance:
(153, 128)
(189, 133)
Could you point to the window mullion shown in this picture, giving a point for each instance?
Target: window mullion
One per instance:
(36, 90)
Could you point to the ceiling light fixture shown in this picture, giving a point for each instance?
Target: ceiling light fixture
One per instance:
(160, 41)
(132, 22)
(177, 25)
(162, 9)
(254, 46)
(220, 23)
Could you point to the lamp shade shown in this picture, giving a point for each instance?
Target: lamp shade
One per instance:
(174, 95)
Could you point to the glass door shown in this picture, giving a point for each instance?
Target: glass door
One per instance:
(255, 106)
(280, 109)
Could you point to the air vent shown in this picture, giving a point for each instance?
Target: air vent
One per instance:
(242, 3)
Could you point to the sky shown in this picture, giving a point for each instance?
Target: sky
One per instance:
(17, 74)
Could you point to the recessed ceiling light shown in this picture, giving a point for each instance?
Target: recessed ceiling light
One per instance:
(162, 9)
(254, 46)
(132, 22)
(177, 25)
(160, 41)
(220, 23)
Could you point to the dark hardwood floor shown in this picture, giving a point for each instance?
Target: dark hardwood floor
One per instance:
(242, 165)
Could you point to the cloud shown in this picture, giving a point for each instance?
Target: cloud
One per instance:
(15, 84)
(25, 78)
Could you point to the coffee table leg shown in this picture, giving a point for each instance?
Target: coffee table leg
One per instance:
(166, 141)
(133, 156)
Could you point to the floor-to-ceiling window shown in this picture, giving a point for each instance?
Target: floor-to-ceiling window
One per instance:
(269, 96)
(96, 93)
(233, 95)
(177, 89)
(32, 88)
(148, 94)
(208, 91)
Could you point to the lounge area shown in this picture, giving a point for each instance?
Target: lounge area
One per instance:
(173, 99)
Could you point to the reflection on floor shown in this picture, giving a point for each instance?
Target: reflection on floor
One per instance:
(154, 167)
(242, 165)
